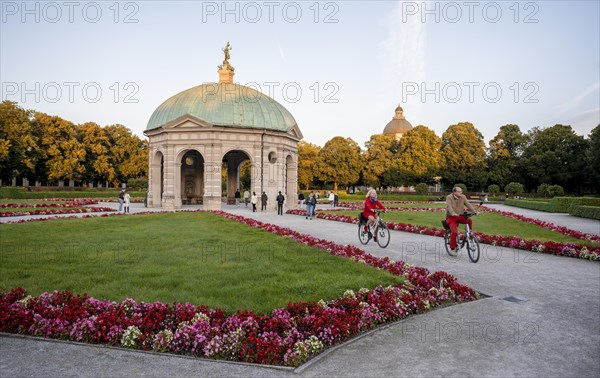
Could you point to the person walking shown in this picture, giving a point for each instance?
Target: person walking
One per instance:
(301, 200)
(246, 197)
(309, 205)
(331, 199)
(254, 201)
(121, 199)
(263, 201)
(280, 200)
(237, 198)
(336, 199)
(127, 199)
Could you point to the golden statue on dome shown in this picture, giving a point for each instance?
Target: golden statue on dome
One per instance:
(226, 65)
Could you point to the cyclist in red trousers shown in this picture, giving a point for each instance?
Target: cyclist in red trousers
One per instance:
(371, 203)
(455, 206)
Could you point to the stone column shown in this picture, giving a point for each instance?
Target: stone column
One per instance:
(168, 199)
(212, 174)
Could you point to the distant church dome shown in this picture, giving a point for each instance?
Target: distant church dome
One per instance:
(398, 126)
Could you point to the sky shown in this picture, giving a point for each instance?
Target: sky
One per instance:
(340, 67)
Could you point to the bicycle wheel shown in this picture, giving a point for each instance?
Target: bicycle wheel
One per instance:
(473, 248)
(363, 236)
(383, 235)
(447, 242)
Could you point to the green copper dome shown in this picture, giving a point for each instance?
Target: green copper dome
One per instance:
(225, 104)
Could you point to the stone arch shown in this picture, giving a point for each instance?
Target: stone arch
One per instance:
(231, 160)
(189, 177)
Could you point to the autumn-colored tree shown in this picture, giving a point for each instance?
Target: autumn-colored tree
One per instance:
(419, 155)
(62, 154)
(308, 163)
(505, 152)
(97, 160)
(18, 145)
(378, 158)
(341, 162)
(463, 151)
(128, 153)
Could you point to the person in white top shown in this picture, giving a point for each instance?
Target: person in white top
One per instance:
(127, 199)
(254, 201)
(331, 198)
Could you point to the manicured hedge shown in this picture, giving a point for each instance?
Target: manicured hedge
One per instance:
(533, 205)
(585, 207)
(11, 192)
(561, 204)
(592, 212)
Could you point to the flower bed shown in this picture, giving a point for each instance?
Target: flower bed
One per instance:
(57, 211)
(70, 206)
(555, 248)
(288, 336)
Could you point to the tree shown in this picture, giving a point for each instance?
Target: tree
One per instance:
(513, 188)
(463, 151)
(462, 186)
(419, 155)
(422, 188)
(341, 162)
(377, 158)
(504, 153)
(18, 144)
(493, 189)
(128, 153)
(97, 161)
(556, 190)
(246, 174)
(556, 155)
(592, 159)
(308, 163)
(62, 154)
(543, 190)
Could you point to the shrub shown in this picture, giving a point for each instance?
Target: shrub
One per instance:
(543, 189)
(462, 186)
(556, 190)
(139, 183)
(533, 205)
(561, 204)
(422, 188)
(12, 192)
(592, 212)
(514, 188)
(493, 189)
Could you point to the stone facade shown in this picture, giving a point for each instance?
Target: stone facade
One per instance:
(199, 132)
(176, 177)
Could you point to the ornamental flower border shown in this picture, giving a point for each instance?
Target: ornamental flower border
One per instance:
(555, 248)
(289, 336)
(72, 206)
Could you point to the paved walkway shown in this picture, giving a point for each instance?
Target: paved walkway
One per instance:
(542, 319)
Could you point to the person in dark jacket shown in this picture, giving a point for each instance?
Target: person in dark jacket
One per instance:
(280, 200)
(263, 201)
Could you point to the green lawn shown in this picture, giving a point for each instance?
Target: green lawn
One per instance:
(201, 258)
(487, 223)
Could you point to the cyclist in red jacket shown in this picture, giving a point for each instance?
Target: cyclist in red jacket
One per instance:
(371, 203)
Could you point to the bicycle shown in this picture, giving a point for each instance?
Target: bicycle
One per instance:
(381, 232)
(467, 238)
